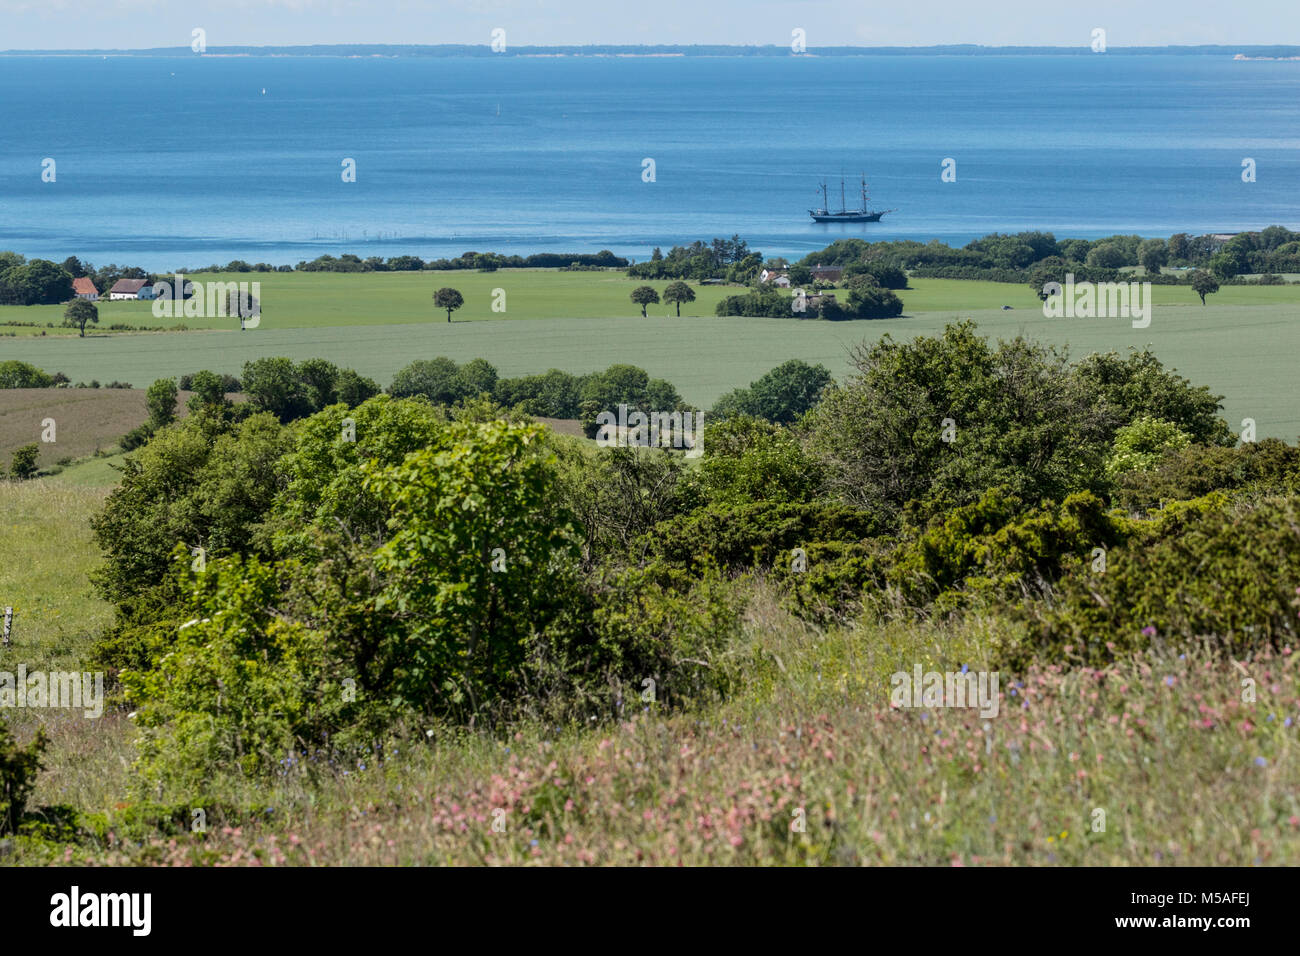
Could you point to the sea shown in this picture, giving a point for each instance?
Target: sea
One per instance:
(179, 162)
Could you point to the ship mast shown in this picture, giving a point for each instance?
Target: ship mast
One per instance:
(843, 207)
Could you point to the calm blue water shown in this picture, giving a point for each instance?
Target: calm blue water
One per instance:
(183, 162)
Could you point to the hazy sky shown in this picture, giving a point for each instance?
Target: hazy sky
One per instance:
(124, 24)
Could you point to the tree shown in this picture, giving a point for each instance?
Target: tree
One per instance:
(449, 299)
(209, 390)
(1107, 255)
(479, 377)
(78, 313)
(319, 379)
(677, 293)
(160, 400)
(1179, 247)
(1153, 255)
(437, 379)
(273, 385)
(24, 464)
(16, 374)
(1204, 284)
(354, 388)
(644, 295)
(39, 282)
(1223, 266)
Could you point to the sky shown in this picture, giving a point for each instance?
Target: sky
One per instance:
(136, 24)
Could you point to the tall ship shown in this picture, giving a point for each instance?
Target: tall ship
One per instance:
(862, 214)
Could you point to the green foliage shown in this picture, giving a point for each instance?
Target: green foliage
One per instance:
(238, 686)
(160, 400)
(1022, 420)
(15, 374)
(78, 313)
(354, 388)
(474, 540)
(18, 769)
(678, 292)
(747, 460)
(448, 299)
(1202, 572)
(782, 395)
(439, 380)
(1139, 446)
(200, 484)
(553, 394)
(752, 535)
(682, 632)
(998, 547)
(1139, 386)
(24, 464)
(644, 295)
(38, 282)
(1270, 466)
(1204, 283)
(324, 501)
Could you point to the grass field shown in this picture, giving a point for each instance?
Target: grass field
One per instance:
(1240, 345)
(87, 421)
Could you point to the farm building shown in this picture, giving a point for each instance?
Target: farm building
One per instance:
(129, 289)
(83, 288)
(827, 273)
(776, 277)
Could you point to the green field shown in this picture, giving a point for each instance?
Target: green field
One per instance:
(1240, 345)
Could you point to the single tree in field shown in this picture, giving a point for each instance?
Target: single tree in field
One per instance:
(448, 299)
(677, 293)
(644, 295)
(1204, 284)
(79, 312)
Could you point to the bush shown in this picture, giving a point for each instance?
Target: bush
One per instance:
(1269, 466)
(18, 769)
(24, 464)
(1202, 572)
(15, 374)
(782, 395)
(1139, 446)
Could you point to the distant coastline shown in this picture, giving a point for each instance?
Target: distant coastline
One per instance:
(1238, 52)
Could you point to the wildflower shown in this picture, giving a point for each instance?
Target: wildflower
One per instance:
(1148, 631)
(1261, 762)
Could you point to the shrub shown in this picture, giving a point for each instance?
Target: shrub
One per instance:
(24, 464)
(16, 374)
(1202, 572)
(1139, 446)
(1269, 466)
(18, 769)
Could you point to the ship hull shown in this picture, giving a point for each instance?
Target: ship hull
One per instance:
(846, 217)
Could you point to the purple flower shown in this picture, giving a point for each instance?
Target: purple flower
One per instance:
(1148, 631)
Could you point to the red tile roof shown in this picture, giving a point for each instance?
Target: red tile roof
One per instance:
(84, 286)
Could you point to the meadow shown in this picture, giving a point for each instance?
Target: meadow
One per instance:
(1152, 762)
(1240, 344)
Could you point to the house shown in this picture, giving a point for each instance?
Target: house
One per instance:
(827, 273)
(127, 289)
(777, 277)
(83, 288)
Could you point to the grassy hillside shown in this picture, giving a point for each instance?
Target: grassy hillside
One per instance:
(808, 737)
